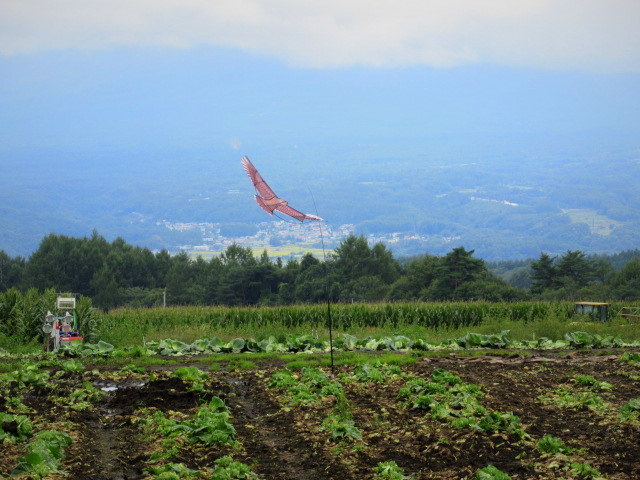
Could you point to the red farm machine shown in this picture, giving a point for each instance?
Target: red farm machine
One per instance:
(62, 328)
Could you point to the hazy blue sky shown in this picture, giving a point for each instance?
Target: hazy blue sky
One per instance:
(80, 74)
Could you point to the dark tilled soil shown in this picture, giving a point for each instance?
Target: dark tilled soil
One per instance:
(283, 442)
(429, 449)
(107, 447)
(610, 446)
(271, 439)
(166, 394)
(106, 450)
(425, 447)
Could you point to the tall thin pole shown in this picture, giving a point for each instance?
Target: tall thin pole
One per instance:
(329, 320)
(330, 328)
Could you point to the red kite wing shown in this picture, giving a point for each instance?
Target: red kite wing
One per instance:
(292, 212)
(263, 205)
(258, 182)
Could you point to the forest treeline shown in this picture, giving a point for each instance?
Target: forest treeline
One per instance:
(118, 274)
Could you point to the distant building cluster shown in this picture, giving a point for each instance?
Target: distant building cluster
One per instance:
(269, 234)
(281, 236)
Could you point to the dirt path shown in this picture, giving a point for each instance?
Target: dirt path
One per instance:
(106, 451)
(269, 437)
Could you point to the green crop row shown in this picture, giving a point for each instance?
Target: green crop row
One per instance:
(346, 342)
(21, 317)
(344, 316)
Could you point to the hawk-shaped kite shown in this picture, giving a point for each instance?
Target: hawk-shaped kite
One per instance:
(268, 200)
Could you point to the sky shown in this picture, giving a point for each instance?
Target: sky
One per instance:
(256, 75)
(93, 75)
(591, 35)
(76, 60)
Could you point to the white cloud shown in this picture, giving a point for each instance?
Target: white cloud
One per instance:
(601, 35)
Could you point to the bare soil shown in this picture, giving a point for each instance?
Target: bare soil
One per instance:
(283, 442)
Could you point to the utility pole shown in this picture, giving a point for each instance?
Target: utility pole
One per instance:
(164, 298)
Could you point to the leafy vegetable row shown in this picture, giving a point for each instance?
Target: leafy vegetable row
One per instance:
(311, 344)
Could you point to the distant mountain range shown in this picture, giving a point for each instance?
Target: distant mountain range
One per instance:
(528, 199)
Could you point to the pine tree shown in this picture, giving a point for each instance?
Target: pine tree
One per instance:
(544, 274)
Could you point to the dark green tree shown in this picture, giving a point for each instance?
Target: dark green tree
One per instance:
(602, 270)
(307, 261)
(197, 292)
(179, 280)
(238, 285)
(11, 271)
(287, 280)
(235, 254)
(365, 273)
(267, 276)
(520, 277)
(107, 292)
(369, 288)
(575, 269)
(402, 289)
(490, 288)
(385, 267)
(48, 266)
(544, 274)
(420, 273)
(312, 283)
(457, 267)
(211, 281)
(352, 258)
(161, 267)
(626, 283)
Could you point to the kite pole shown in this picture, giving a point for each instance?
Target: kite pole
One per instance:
(324, 256)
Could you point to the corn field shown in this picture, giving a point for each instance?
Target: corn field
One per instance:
(344, 316)
(22, 315)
